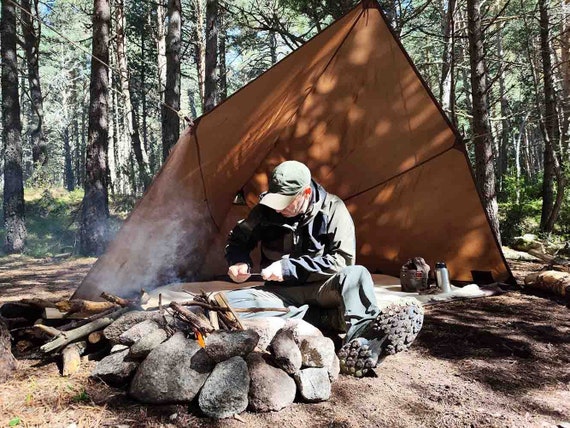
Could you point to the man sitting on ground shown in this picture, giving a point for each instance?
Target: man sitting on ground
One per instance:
(308, 248)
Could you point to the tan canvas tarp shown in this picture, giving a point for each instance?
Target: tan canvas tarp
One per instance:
(349, 104)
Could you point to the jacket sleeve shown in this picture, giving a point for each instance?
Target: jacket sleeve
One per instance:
(243, 239)
(340, 250)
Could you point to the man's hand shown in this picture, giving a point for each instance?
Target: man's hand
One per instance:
(239, 272)
(273, 272)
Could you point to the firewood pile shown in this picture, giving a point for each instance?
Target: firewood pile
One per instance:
(198, 349)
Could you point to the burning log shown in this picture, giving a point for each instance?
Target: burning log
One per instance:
(77, 333)
(198, 323)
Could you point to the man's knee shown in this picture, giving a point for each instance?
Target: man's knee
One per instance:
(356, 274)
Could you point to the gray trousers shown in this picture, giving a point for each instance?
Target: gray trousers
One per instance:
(350, 292)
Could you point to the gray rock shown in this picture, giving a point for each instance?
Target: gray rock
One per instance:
(286, 352)
(172, 372)
(334, 369)
(138, 331)
(317, 351)
(301, 328)
(147, 343)
(114, 369)
(314, 384)
(126, 321)
(271, 389)
(225, 392)
(265, 327)
(222, 345)
(117, 348)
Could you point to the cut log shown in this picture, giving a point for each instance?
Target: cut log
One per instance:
(39, 303)
(80, 332)
(95, 337)
(72, 358)
(7, 360)
(549, 280)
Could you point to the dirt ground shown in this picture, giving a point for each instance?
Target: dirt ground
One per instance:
(501, 361)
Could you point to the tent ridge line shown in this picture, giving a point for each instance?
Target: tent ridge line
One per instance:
(401, 173)
(462, 148)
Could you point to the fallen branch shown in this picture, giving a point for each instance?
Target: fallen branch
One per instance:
(76, 334)
(85, 306)
(117, 300)
(51, 331)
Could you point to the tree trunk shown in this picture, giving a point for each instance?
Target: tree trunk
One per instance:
(130, 113)
(161, 47)
(170, 121)
(446, 84)
(223, 78)
(482, 138)
(68, 161)
(211, 76)
(95, 205)
(505, 125)
(552, 166)
(31, 48)
(14, 223)
(199, 47)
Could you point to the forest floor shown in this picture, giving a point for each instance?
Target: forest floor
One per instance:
(501, 361)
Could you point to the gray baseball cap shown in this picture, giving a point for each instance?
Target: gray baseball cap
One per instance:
(287, 181)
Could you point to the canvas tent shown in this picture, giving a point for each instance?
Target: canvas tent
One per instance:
(348, 103)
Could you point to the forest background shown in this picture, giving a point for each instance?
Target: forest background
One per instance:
(95, 94)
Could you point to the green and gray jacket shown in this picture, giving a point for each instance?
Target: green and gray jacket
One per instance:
(311, 247)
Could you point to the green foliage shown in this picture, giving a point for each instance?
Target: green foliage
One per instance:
(519, 214)
(14, 422)
(81, 397)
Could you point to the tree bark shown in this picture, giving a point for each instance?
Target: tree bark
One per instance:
(223, 75)
(14, 223)
(95, 205)
(68, 161)
(170, 121)
(161, 47)
(446, 84)
(31, 48)
(130, 113)
(211, 76)
(552, 165)
(200, 47)
(482, 137)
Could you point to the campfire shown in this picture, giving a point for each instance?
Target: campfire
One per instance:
(197, 349)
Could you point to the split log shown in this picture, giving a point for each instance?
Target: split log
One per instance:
(76, 334)
(72, 358)
(197, 322)
(220, 299)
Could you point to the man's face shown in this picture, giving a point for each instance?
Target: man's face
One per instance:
(298, 206)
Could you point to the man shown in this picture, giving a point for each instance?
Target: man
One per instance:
(308, 249)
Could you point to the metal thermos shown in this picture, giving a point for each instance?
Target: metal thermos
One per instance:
(442, 277)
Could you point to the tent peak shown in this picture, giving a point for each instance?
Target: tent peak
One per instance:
(370, 4)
